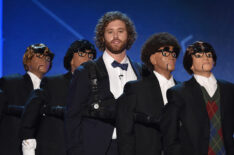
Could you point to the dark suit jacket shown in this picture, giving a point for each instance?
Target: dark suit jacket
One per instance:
(185, 123)
(139, 97)
(43, 116)
(88, 136)
(16, 90)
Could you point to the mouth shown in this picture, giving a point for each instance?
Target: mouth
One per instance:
(116, 41)
(40, 66)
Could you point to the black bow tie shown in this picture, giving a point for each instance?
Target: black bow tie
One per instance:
(122, 66)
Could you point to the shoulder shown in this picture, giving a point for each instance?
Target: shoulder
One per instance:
(54, 77)
(180, 87)
(226, 84)
(135, 86)
(12, 79)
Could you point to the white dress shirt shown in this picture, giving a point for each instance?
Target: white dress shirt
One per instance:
(29, 145)
(164, 85)
(210, 83)
(118, 77)
(35, 80)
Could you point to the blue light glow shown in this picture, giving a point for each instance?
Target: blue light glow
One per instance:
(1, 40)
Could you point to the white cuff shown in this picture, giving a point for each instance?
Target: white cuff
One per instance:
(29, 146)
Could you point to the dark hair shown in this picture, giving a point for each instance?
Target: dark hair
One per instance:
(78, 45)
(198, 46)
(155, 42)
(36, 48)
(105, 20)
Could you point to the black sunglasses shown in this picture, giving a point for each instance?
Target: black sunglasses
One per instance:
(84, 53)
(166, 52)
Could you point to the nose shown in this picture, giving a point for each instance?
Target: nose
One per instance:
(205, 56)
(115, 34)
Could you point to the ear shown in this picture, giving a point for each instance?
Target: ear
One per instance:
(192, 68)
(153, 60)
(28, 64)
(72, 61)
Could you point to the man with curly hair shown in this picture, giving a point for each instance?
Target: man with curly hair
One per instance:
(37, 61)
(42, 127)
(199, 118)
(140, 106)
(90, 115)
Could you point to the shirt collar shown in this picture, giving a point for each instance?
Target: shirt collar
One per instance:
(35, 80)
(162, 80)
(107, 58)
(202, 80)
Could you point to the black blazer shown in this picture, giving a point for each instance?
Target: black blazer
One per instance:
(88, 136)
(16, 89)
(142, 97)
(43, 116)
(185, 123)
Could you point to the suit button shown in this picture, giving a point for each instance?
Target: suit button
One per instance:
(96, 106)
(43, 114)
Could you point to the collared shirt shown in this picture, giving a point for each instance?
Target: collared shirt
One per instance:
(210, 83)
(164, 85)
(35, 80)
(118, 77)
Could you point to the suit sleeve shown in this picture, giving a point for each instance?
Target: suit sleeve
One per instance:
(170, 124)
(3, 98)
(78, 96)
(2, 102)
(125, 122)
(31, 114)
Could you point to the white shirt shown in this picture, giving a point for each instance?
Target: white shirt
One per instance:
(210, 83)
(35, 80)
(164, 85)
(118, 77)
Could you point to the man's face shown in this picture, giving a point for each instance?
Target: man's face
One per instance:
(39, 64)
(79, 58)
(116, 37)
(202, 63)
(163, 63)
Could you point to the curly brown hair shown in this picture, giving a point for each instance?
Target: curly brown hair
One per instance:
(35, 48)
(105, 20)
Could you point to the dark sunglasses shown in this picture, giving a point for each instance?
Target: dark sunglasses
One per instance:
(47, 57)
(200, 54)
(166, 52)
(83, 54)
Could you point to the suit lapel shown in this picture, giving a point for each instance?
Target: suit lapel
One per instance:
(155, 89)
(136, 68)
(27, 82)
(196, 93)
(102, 72)
(101, 67)
(27, 86)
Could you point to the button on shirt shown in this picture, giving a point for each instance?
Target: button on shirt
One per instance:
(164, 85)
(210, 83)
(118, 77)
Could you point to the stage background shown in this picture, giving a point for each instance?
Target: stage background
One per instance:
(58, 23)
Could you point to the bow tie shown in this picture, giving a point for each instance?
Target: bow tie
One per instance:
(122, 66)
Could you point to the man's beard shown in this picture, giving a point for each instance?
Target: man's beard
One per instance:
(114, 49)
